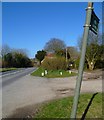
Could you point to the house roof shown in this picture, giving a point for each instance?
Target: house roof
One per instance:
(50, 55)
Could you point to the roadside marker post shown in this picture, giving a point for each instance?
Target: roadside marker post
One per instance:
(82, 60)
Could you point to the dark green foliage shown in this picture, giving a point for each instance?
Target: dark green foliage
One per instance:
(40, 55)
(99, 64)
(76, 64)
(16, 60)
(22, 60)
(55, 63)
(8, 58)
(62, 53)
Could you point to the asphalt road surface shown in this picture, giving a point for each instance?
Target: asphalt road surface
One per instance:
(11, 76)
(21, 92)
(7, 78)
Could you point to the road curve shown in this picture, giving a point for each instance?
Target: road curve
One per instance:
(11, 76)
(20, 97)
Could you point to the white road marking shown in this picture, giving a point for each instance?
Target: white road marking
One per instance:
(11, 73)
(14, 72)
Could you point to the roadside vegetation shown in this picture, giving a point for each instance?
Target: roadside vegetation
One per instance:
(94, 58)
(62, 108)
(7, 69)
(14, 58)
(52, 73)
(58, 59)
(94, 52)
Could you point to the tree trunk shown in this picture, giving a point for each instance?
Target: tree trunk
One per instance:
(91, 65)
(39, 62)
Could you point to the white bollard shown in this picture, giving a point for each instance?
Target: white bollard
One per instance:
(71, 65)
(70, 71)
(42, 74)
(60, 73)
(46, 72)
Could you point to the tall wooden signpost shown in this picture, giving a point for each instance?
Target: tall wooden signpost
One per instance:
(91, 23)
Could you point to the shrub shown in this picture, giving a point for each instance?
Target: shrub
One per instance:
(76, 64)
(56, 63)
(16, 60)
(99, 64)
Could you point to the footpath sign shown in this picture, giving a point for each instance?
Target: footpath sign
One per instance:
(94, 23)
(91, 23)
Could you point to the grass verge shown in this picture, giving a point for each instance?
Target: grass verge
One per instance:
(53, 73)
(7, 69)
(62, 108)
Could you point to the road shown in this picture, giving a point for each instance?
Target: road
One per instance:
(11, 76)
(21, 92)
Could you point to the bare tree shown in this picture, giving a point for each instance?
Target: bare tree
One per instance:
(5, 49)
(54, 45)
(94, 49)
(22, 51)
(74, 54)
(93, 53)
(92, 38)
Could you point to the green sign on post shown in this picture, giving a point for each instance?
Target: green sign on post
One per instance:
(91, 24)
(94, 23)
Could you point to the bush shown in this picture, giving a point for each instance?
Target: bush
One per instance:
(56, 63)
(76, 64)
(17, 60)
(99, 64)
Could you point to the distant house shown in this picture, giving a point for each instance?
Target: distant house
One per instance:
(50, 55)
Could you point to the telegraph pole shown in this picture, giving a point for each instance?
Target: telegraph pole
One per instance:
(82, 60)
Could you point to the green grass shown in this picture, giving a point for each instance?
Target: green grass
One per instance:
(62, 108)
(7, 69)
(52, 73)
(38, 72)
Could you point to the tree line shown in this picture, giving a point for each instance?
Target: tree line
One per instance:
(14, 58)
(94, 53)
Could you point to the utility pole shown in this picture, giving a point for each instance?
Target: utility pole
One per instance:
(82, 60)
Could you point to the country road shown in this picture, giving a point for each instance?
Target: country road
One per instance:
(21, 92)
(11, 76)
